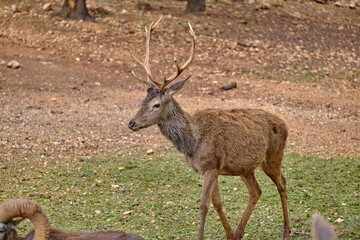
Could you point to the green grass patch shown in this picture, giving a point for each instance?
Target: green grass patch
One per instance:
(158, 196)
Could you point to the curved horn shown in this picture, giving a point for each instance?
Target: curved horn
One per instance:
(30, 210)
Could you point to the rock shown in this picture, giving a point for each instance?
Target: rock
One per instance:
(277, 3)
(14, 8)
(229, 86)
(149, 151)
(297, 14)
(339, 4)
(144, 6)
(56, 111)
(47, 7)
(122, 20)
(13, 64)
(232, 45)
(321, 1)
(264, 5)
(352, 4)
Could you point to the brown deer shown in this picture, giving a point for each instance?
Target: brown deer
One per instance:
(215, 142)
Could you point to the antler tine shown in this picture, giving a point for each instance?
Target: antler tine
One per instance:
(180, 69)
(147, 54)
(145, 64)
(139, 77)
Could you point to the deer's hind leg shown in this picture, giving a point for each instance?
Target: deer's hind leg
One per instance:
(254, 195)
(272, 168)
(217, 205)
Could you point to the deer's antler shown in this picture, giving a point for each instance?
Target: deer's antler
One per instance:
(180, 69)
(145, 64)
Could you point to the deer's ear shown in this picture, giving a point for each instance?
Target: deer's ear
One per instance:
(176, 87)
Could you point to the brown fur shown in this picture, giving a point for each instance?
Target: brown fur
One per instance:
(235, 142)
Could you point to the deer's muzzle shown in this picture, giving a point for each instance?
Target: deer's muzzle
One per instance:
(133, 126)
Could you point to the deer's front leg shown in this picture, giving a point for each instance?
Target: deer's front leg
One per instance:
(217, 205)
(209, 177)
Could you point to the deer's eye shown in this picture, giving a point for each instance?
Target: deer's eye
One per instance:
(156, 105)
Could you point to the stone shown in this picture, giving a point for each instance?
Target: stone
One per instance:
(352, 4)
(144, 6)
(339, 4)
(47, 7)
(150, 151)
(14, 8)
(265, 5)
(13, 64)
(277, 3)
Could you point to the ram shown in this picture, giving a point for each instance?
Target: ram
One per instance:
(12, 210)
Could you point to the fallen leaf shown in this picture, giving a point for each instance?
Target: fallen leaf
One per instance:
(128, 213)
(339, 220)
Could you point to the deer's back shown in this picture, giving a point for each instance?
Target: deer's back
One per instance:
(239, 139)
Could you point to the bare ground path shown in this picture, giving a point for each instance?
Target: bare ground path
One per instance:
(74, 94)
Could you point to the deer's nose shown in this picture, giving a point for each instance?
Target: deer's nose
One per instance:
(131, 124)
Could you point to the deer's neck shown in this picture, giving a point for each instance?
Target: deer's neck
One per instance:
(180, 128)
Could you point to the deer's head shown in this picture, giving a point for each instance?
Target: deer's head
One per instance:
(154, 107)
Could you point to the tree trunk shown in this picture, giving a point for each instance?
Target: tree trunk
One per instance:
(75, 9)
(195, 6)
(81, 11)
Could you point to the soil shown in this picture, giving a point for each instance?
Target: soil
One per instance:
(74, 93)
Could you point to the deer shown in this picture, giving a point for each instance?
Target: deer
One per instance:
(215, 142)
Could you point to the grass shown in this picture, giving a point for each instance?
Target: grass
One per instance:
(158, 196)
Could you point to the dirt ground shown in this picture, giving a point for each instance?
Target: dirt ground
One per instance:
(74, 93)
